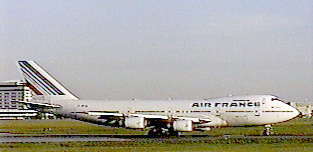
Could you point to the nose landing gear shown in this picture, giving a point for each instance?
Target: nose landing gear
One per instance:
(267, 130)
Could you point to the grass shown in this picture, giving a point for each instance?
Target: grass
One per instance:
(60, 126)
(295, 127)
(298, 127)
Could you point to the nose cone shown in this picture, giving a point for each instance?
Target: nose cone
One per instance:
(295, 112)
(290, 112)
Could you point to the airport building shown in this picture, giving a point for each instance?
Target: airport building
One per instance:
(306, 108)
(10, 92)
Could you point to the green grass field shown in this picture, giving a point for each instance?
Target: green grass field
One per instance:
(68, 126)
(298, 127)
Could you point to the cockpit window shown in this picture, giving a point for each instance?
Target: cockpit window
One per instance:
(276, 99)
(273, 99)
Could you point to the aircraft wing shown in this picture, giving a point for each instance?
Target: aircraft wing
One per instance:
(147, 116)
(205, 119)
(151, 116)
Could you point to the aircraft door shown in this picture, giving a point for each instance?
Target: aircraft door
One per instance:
(217, 111)
(257, 107)
(129, 110)
(170, 112)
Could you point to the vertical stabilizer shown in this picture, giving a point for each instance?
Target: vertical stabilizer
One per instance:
(42, 83)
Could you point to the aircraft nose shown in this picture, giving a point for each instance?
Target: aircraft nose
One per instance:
(296, 112)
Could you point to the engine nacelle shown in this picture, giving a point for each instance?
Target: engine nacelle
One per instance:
(203, 129)
(182, 125)
(135, 122)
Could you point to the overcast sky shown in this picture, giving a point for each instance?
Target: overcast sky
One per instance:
(152, 49)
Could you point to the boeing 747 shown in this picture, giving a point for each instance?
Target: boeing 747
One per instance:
(161, 117)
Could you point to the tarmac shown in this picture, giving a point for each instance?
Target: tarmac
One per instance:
(44, 138)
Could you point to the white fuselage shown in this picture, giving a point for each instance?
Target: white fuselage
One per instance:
(234, 111)
(174, 115)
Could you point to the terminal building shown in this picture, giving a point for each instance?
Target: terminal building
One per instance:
(10, 92)
(305, 108)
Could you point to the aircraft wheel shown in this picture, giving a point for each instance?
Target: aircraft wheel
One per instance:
(267, 130)
(174, 133)
(154, 133)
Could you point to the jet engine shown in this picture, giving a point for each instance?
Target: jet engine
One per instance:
(182, 125)
(135, 122)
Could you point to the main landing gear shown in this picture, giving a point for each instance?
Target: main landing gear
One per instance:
(162, 132)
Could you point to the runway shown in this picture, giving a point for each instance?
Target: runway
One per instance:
(40, 138)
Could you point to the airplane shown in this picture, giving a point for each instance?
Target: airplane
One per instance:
(160, 117)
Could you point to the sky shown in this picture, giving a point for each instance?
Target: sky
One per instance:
(147, 49)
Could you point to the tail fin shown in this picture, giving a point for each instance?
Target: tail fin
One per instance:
(42, 83)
